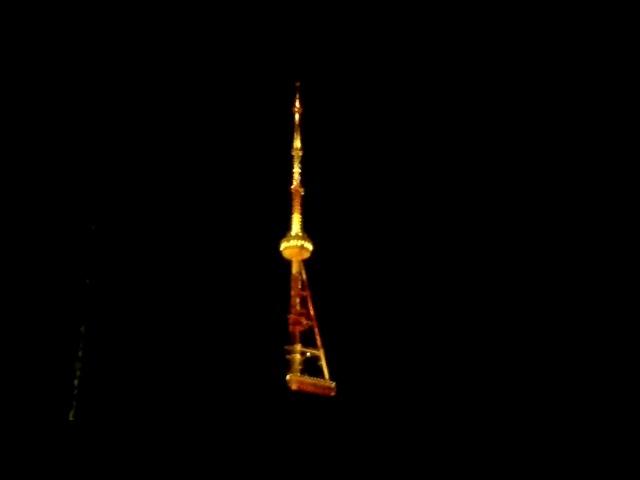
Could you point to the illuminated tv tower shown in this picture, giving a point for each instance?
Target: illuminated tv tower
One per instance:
(308, 370)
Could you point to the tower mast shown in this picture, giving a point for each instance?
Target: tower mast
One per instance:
(303, 327)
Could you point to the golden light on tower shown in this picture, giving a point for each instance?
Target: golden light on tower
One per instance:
(303, 327)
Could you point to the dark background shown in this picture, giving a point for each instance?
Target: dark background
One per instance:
(175, 167)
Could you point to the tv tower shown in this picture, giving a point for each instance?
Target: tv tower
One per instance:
(308, 371)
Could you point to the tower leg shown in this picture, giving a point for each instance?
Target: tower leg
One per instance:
(316, 331)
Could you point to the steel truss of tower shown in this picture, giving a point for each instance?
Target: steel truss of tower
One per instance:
(308, 371)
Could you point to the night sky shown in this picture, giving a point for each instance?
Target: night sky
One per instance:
(167, 248)
(187, 199)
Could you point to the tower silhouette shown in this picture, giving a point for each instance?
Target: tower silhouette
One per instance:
(308, 371)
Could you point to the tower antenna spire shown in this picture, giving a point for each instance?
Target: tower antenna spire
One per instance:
(296, 153)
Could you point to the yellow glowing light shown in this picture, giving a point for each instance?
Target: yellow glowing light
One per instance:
(296, 224)
(297, 142)
(296, 173)
(296, 242)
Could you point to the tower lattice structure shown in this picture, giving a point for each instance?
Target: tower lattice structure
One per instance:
(308, 371)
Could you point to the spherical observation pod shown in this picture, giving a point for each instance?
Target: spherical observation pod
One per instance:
(296, 247)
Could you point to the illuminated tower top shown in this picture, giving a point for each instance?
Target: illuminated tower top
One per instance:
(296, 245)
(296, 151)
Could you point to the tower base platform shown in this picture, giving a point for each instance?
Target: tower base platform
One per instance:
(318, 386)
